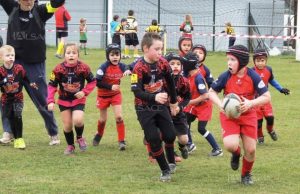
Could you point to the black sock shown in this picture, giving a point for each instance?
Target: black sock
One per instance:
(13, 128)
(161, 160)
(79, 131)
(69, 137)
(169, 148)
(180, 145)
(18, 127)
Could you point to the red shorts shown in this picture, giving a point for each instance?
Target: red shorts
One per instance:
(105, 102)
(264, 111)
(246, 124)
(203, 112)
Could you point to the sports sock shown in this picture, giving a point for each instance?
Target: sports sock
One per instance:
(126, 51)
(169, 149)
(69, 137)
(79, 131)
(18, 125)
(100, 128)
(237, 152)
(270, 128)
(210, 138)
(247, 166)
(121, 130)
(260, 132)
(160, 158)
(60, 48)
(180, 145)
(85, 50)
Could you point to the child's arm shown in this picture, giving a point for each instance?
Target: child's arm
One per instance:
(213, 96)
(278, 87)
(89, 87)
(99, 78)
(52, 89)
(201, 89)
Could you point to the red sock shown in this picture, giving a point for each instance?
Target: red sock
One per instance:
(121, 130)
(270, 128)
(148, 147)
(247, 166)
(101, 126)
(237, 151)
(260, 132)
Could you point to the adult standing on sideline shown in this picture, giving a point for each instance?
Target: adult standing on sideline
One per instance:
(230, 31)
(62, 16)
(26, 33)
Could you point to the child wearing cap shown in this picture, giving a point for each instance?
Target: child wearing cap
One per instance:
(260, 58)
(108, 78)
(246, 84)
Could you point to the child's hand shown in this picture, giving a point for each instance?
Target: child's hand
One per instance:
(245, 104)
(285, 91)
(127, 72)
(51, 106)
(79, 94)
(174, 109)
(161, 98)
(34, 85)
(115, 87)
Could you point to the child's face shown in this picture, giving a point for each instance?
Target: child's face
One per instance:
(8, 57)
(124, 23)
(71, 55)
(186, 46)
(154, 52)
(260, 62)
(200, 54)
(175, 66)
(232, 63)
(114, 57)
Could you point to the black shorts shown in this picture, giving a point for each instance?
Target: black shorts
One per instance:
(156, 122)
(82, 41)
(61, 32)
(72, 108)
(180, 124)
(116, 39)
(131, 39)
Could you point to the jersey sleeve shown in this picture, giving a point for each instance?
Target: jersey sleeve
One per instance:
(219, 84)
(200, 84)
(258, 83)
(99, 77)
(209, 77)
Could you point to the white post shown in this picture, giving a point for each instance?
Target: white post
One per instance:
(298, 33)
(109, 19)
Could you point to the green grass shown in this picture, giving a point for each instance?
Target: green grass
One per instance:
(44, 169)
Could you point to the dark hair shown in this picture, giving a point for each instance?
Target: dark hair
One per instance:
(148, 39)
(123, 20)
(116, 17)
(130, 12)
(154, 22)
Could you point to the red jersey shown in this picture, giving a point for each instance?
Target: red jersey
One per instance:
(71, 79)
(265, 74)
(147, 80)
(108, 75)
(247, 86)
(205, 72)
(11, 82)
(62, 17)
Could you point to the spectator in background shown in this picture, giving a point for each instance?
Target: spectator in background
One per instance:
(131, 37)
(230, 31)
(62, 16)
(83, 34)
(120, 30)
(187, 26)
(31, 53)
(113, 25)
(153, 27)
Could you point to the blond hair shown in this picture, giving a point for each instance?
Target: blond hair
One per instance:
(6, 48)
(71, 44)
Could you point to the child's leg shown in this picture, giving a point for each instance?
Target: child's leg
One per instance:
(18, 123)
(190, 119)
(249, 145)
(77, 117)
(66, 116)
(208, 136)
(270, 123)
(102, 122)
(84, 47)
(119, 122)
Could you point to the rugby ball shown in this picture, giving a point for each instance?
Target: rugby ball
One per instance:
(231, 106)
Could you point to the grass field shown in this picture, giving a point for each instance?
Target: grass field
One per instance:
(104, 169)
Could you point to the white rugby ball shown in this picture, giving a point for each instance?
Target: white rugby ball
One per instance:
(232, 105)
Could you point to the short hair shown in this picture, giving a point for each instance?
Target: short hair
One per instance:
(154, 22)
(148, 39)
(70, 45)
(130, 12)
(116, 17)
(6, 48)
